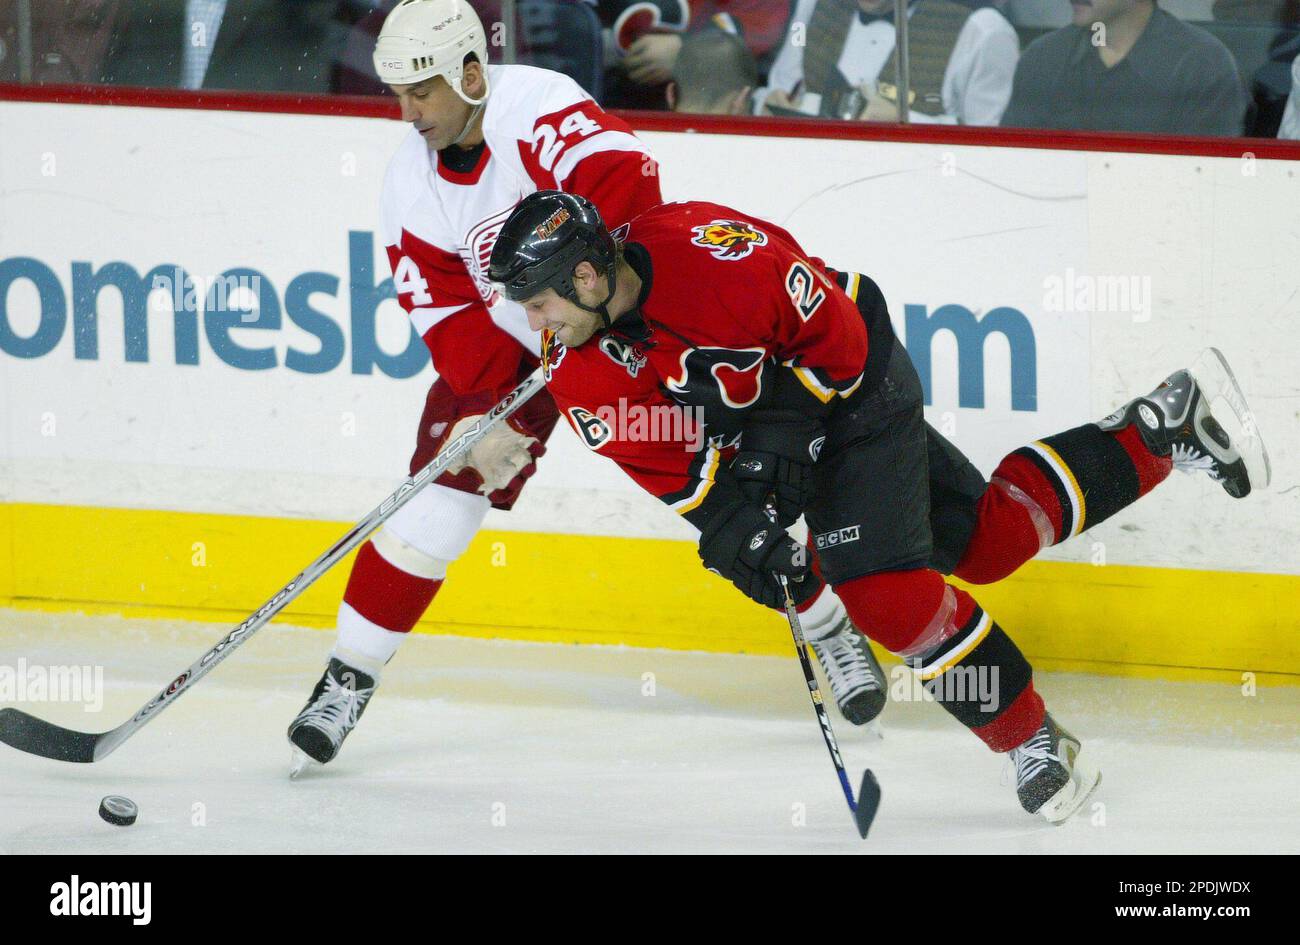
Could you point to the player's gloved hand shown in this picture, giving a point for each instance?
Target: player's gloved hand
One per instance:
(777, 451)
(498, 457)
(747, 548)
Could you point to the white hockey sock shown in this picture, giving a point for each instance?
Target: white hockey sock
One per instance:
(824, 617)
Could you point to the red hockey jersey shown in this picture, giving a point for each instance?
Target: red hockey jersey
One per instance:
(727, 301)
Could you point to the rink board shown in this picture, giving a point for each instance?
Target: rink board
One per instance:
(1154, 622)
(256, 437)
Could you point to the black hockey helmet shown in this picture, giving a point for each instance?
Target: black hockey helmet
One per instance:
(545, 237)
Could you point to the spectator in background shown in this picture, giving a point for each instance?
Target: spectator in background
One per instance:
(714, 74)
(271, 45)
(1126, 65)
(1270, 81)
(1290, 127)
(962, 62)
(69, 39)
(646, 39)
(1263, 12)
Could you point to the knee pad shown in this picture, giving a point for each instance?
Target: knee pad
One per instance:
(433, 529)
(1010, 528)
(907, 612)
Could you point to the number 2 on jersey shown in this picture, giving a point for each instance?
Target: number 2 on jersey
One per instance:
(801, 283)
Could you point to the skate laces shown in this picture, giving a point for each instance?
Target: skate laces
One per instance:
(336, 710)
(846, 666)
(1032, 757)
(1189, 459)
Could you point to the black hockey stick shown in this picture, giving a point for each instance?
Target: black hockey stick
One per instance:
(38, 737)
(868, 799)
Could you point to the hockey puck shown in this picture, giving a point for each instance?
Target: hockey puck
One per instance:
(118, 810)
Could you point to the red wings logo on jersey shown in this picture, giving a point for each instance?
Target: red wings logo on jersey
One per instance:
(477, 250)
(728, 239)
(553, 352)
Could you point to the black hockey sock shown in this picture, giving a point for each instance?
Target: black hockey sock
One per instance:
(983, 681)
(1079, 478)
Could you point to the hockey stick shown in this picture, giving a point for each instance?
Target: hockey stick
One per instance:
(868, 801)
(38, 737)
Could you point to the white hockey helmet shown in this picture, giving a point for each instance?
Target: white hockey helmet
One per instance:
(424, 38)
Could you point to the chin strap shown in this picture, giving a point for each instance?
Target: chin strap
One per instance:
(469, 122)
(603, 308)
(479, 105)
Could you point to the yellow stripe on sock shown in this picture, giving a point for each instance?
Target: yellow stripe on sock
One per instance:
(1066, 475)
(954, 657)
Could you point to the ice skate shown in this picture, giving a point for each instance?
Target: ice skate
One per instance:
(1199, 418)
(857, 681)
(330, 714)
(1050, 777)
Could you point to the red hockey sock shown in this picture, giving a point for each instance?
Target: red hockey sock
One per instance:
(1004, 538)
(1020, 720)
(385, 594)
(957, 651)
(1151, 469)
(1083, 476)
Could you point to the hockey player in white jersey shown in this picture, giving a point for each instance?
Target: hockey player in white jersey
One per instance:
(482, 137)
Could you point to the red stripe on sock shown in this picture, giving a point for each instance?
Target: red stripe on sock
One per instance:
(1020, 720)
(1020, 471)
(1004, 538)
(385, 594)
(1151, 469)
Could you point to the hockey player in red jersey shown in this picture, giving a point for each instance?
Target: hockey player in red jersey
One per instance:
(482, 137)
(811, 406)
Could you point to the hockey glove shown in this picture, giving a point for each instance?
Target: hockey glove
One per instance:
(502, 453)
(777, 451)
(746, 547)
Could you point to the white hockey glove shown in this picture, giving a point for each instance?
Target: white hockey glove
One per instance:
(497, 458)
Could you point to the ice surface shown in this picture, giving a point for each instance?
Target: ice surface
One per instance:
(494, 746)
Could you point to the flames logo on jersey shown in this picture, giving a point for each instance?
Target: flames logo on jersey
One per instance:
(728, 239)
(553, 352)
(722, 382)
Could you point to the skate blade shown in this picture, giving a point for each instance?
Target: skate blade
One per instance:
(1223, 394)
(1064, 803)
(300, 762)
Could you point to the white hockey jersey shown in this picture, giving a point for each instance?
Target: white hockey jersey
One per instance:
(542, 132)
